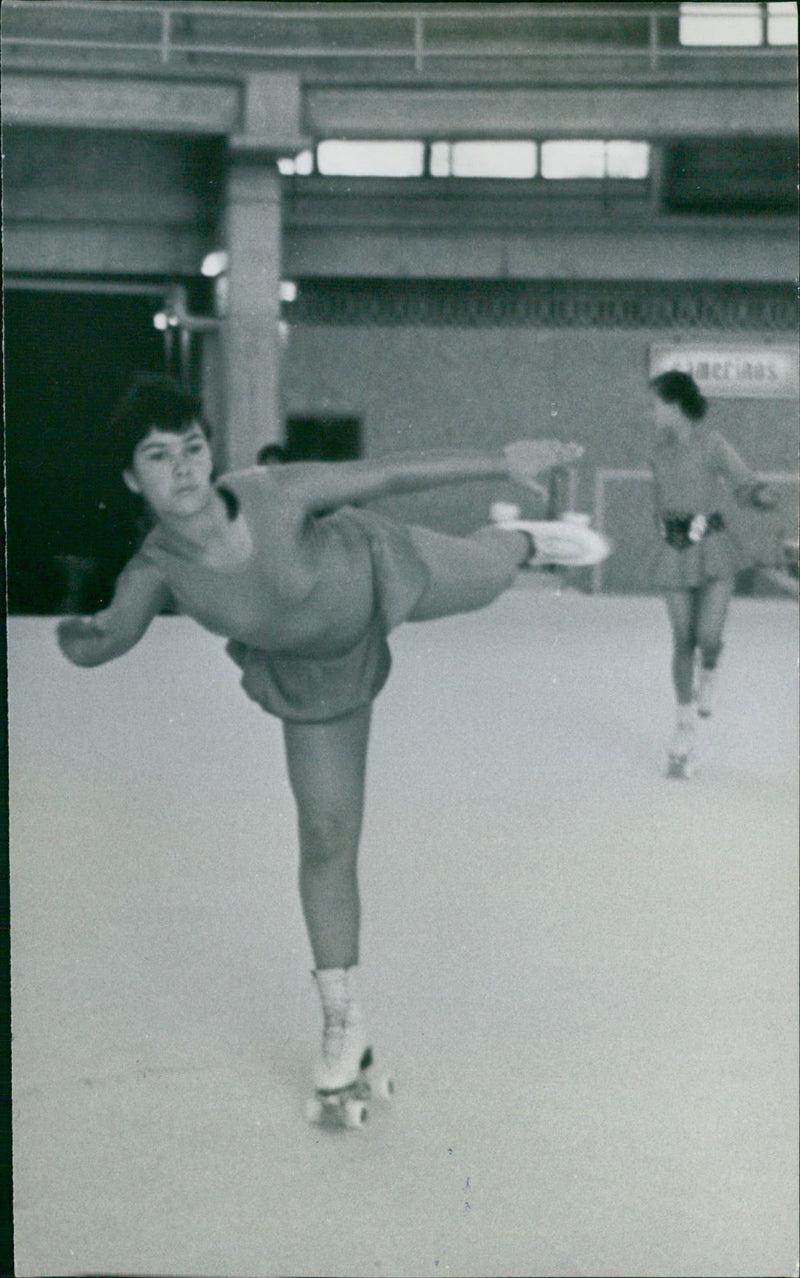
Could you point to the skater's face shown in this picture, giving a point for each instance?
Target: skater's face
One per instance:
(172, 472)
(670, 417)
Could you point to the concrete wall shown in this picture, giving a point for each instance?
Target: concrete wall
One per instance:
(87, 201)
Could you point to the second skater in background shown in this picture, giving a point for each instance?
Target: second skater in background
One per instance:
(699, 556)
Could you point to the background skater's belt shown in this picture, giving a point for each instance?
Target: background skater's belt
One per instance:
(681, 531)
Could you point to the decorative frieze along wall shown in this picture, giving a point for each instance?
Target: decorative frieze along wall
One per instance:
(545, 304)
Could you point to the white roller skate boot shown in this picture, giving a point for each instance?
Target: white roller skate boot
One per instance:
(342, 1079)
(344, 1038)
(681, 747)
(568, 542)
(705, 692)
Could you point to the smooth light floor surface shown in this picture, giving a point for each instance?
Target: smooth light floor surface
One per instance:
(583, 975)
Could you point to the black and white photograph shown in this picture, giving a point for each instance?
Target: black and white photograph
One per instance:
(401, 506)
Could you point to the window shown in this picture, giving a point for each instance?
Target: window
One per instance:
(627, 159)
(591, 159)
(371, 159)
(721, 24)
(738, 24)
(731, 175)
(323, 438)
(782, 23)
(495, 159)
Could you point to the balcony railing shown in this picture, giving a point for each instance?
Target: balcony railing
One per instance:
(412, 37)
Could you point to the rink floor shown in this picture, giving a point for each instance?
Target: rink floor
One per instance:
(582, 975)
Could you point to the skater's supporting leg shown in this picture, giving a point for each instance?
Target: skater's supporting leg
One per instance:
(466, 573)
(681, 607)
(714, 599)
(327, 764)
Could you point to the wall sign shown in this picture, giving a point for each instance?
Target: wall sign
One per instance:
(733, 372)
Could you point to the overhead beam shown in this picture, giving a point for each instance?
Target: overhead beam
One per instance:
(736, 252)
(261, 110)
(121, 102)
(643, 112)
(272, 110)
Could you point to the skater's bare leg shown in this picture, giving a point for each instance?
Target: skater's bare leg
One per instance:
(712, 611)
(681, 607)
(327, 765)
(466, 573)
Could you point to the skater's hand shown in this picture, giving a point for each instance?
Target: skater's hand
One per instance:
(78, 637)
(527, 458)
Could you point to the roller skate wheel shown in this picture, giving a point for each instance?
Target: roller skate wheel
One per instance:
(354, 1113)
(314, 1110)
(384, 1087)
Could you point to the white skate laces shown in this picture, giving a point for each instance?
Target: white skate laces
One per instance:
(344, 1084)
(344, 1041)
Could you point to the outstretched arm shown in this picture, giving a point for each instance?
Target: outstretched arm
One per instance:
(748, 489)
(139, 595)
(322, 485)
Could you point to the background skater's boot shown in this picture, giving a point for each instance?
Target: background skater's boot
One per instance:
(681, 747)
(344, 1040)
(705, 691)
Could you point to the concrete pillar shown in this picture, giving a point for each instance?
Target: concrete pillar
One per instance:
(270, 126)
(249, 333)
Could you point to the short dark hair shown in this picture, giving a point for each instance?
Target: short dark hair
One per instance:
(675, 387)
(271, 453)
(153, 400)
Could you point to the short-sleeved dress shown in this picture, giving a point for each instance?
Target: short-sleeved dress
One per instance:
(697, 477)
(307, 614)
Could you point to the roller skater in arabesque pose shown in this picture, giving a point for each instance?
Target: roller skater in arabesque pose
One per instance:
(306, 602)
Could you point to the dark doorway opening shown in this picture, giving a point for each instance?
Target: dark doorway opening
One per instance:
(323, 438)
(71, 524)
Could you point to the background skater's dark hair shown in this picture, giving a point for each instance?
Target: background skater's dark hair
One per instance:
(271, 453)
(679, 388)
(153, 400)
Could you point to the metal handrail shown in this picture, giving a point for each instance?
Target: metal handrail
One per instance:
(419, 18)
(358, 51)
(291, 12)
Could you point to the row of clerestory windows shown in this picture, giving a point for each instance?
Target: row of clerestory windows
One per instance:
(481, 158)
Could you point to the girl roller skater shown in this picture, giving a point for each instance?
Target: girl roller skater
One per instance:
(698, 557)
(306, 602)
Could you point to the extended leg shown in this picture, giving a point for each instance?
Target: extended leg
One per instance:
(327, 765)
(466, 572)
